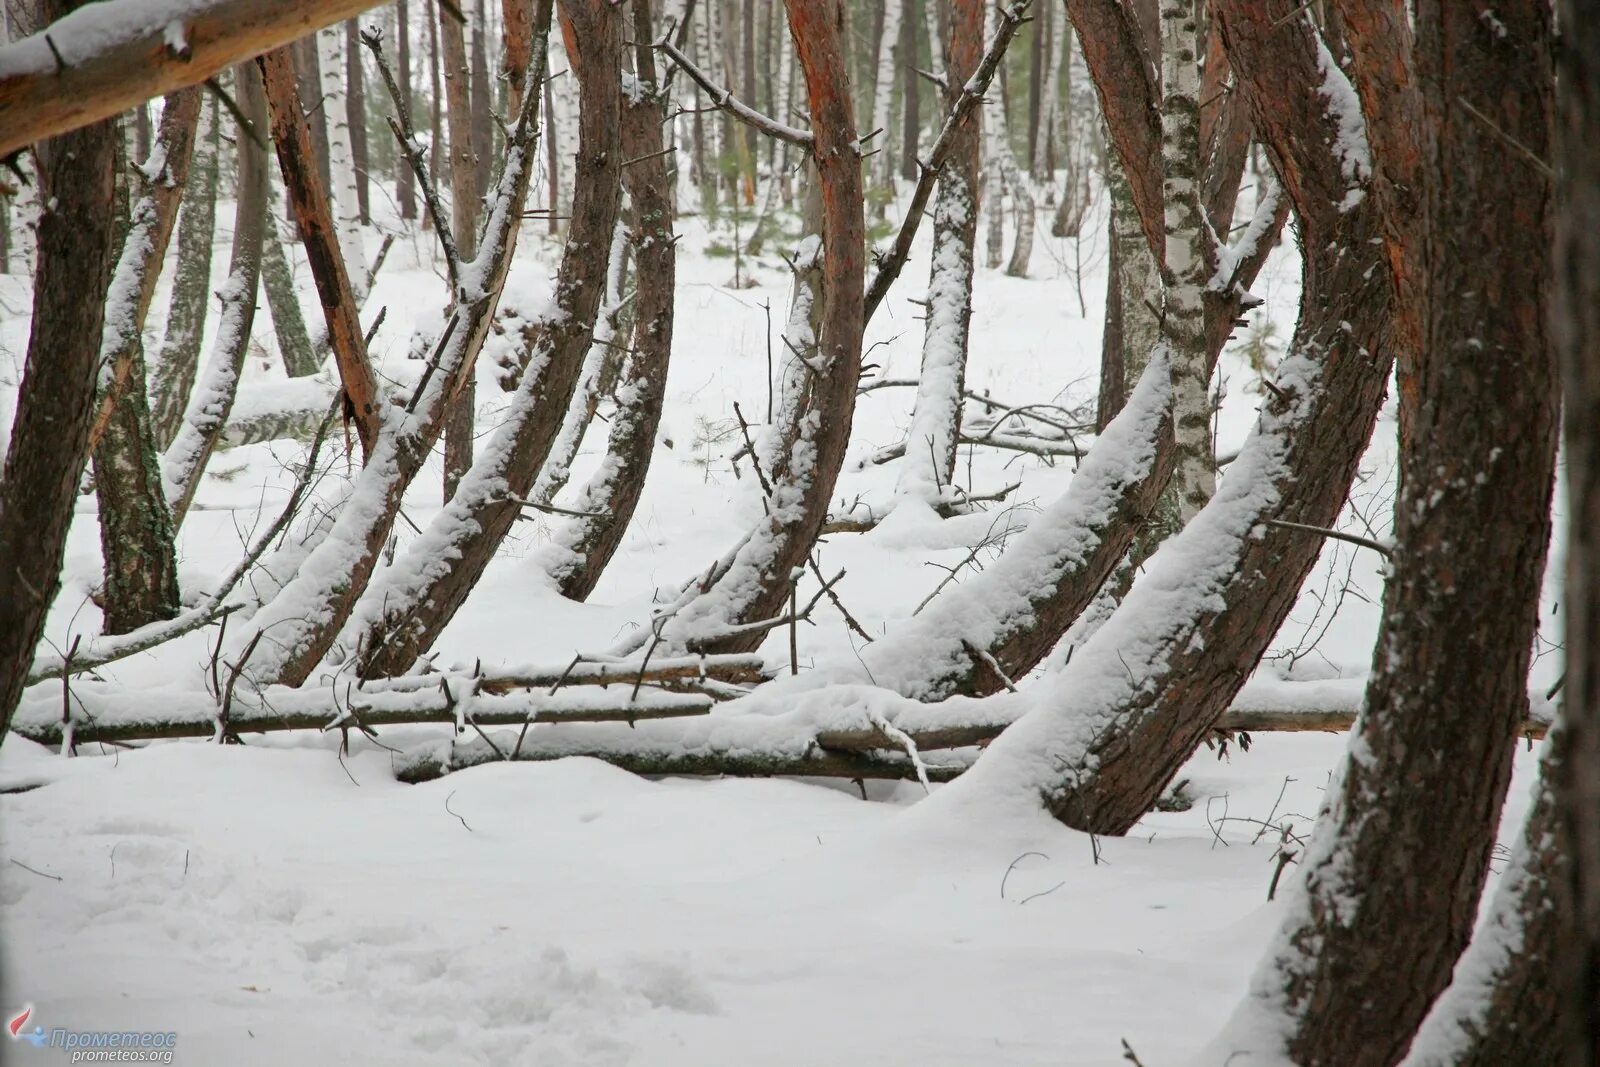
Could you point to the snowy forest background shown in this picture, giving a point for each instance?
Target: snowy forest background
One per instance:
(723, 531)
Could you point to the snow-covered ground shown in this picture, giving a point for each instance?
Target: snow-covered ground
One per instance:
(272, 904)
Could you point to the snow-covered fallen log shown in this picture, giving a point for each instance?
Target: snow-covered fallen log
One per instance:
(104, 58)
(102, 712)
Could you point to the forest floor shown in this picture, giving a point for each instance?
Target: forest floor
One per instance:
(273, 904)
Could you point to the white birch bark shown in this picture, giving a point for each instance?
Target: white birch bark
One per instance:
(1185, 271)
(341, 166)
(889, 63)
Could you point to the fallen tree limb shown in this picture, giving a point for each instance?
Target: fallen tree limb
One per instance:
(112, 713)
(104, 58)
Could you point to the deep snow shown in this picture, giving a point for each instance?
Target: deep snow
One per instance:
(272, 905)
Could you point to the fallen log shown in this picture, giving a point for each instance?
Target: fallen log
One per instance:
(113, 714)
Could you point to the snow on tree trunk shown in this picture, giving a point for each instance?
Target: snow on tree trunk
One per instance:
(1399, 854)
(1185, 273)
(588, 543)
(930, 459)
(464, 164)
(178, 359)
(341, 164)
(736, 611)
(308, 612)
(1503, 1003)
(1103, 737)
(185, 461)
(404, 612)
(141, 581)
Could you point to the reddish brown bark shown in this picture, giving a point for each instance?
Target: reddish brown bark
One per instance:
(1392, 894)
(818, 28)
(395, 639)
(641, 387)
(1344, 327)
(313, 212)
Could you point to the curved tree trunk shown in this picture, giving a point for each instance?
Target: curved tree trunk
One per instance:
(186, 460)
(136, 532)
(50, 433)
(305, 617)
(930, 459)
(403, 613)
(734, 614)
(610, 498)
(178, 359)
(1121, 719)
(1399, 855)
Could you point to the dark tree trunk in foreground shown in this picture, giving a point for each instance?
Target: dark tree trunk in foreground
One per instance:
(1504, 1003)
(611, 498)
(1399, 857)
(1575, 326)
(136, 534)
(50, 434)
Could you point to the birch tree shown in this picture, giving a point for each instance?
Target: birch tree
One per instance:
(334, 105)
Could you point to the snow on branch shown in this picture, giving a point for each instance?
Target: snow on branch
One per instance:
(889, 268)
(724, 100)
(103, 59)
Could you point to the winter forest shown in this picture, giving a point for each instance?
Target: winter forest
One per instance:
(681, 532)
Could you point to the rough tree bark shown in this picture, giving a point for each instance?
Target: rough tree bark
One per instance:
(203, 423)
(482, 100)
(1575, 327)
(319, 235)
(50, 432)
(929, 466)
(734, 612)
(136, 534)
(300, 358)
(1503, 1005)
(610, 498)
(1398, 859)
(1184, 266)
(178, 359)
(458, 428)
(404, 612)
